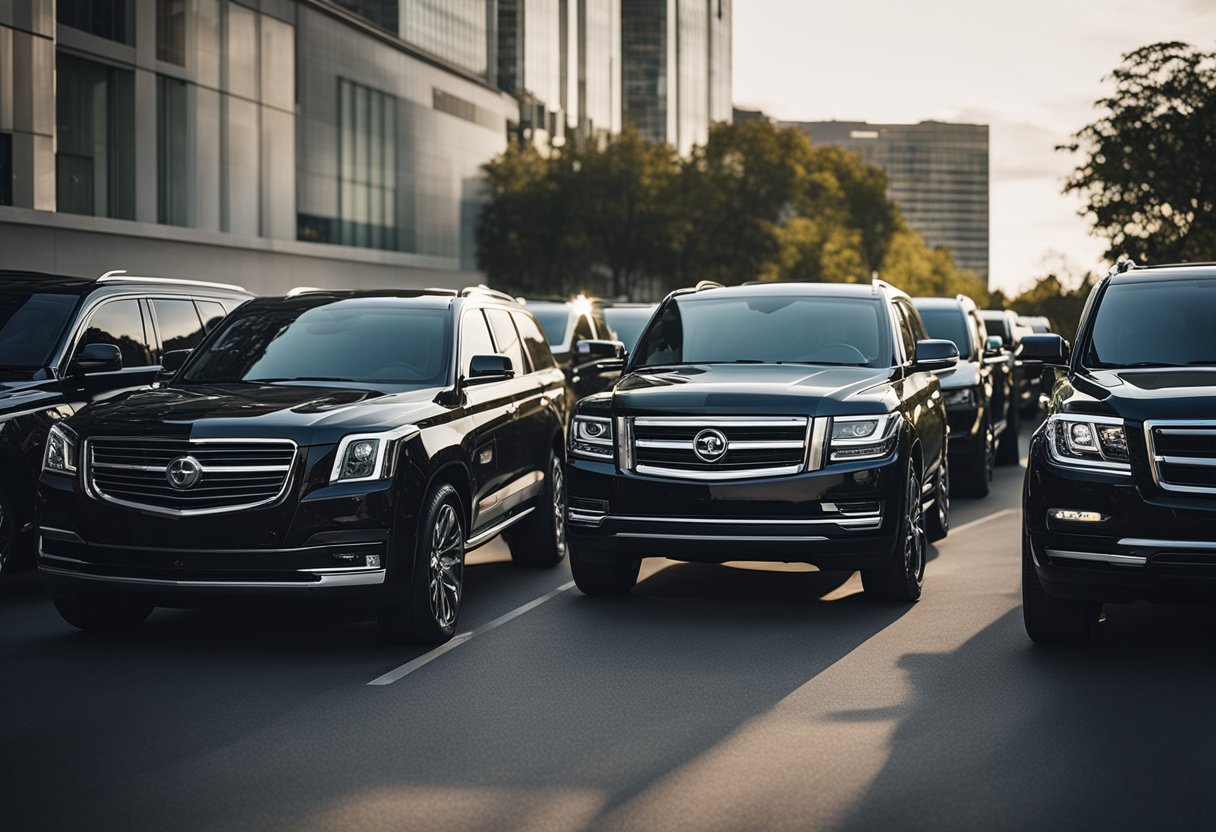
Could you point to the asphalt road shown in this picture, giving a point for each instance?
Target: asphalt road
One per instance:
(712, 698)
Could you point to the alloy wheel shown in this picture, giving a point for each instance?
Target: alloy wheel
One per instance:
(559, 508)
(942, 503)
(914, 541)
(446, 566)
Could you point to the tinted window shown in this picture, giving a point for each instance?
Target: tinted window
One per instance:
(360, 341)
(534, 341)
(903, 320)
(212, 313)
(949, 324)
(768, 328)
(178, 324)
(507, 339)
(120, 323)
(31, 324)
(628, 324)
(1167, 323)
(915, 321)
(474, 339)
(554, 320)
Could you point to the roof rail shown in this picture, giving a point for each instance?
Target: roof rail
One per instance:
(702, 285)
(482, 289)
(120, 276)
(879, 283)
(1121, 266)
(302, 290)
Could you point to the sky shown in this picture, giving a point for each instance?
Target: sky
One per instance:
(1031, 69)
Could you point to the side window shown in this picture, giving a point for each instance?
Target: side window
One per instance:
(534, 341)
(507, 339)
(917, 324)
(474, 339)
(211, 312)
(121, 323)
(582, 330)
(903, 320)
(178, 324)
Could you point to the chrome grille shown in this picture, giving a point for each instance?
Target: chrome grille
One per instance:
(233, 474)
(1183, 455)
(754, 446)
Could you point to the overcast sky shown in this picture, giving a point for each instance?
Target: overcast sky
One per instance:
(1031, 69)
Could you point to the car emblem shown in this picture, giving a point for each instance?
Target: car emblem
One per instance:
(709, 445)
(184, 472)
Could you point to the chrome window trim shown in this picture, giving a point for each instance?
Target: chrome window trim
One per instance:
(90, 488)
(1180, 427)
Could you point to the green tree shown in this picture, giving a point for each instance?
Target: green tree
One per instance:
(1051, 297)
(921, 271)
(1148, 173)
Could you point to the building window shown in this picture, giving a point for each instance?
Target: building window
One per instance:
(95, 124)
(171, 150)
(382, 13)
(171, 31)
(6, 169)
(367, 167)
(111, 19)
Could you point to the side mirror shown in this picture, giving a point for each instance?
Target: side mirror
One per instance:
(1045, 349)
(96, 358)
(610, 353)
(993, 345)
(173, 360)
(935, 354)
(483, 368)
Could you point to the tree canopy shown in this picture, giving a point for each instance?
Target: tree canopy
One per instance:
(627, 218)
(1148, 168)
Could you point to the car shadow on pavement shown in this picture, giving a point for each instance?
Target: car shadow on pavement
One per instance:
(1003, 733)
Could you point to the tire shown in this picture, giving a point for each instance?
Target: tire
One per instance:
(903, 578)
(1008, 452)
(597, 578)
(975, 480)
(539, 542)
(100, 613)
(10, 533)
(937, 521)
(429, 610)
(1053, 620)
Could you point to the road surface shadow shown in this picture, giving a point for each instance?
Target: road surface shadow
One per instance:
(1004, 734)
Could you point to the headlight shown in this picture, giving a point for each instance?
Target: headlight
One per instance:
(1095, 442)
(369, 456)
(60, 453)
(963, 397)
(862, 437)
(591, 436)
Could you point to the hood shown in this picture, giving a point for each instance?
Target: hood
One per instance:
(1151, 393)
(21, 396)
(753, 389)
(307, 414)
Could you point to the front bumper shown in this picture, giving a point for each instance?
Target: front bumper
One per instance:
(1146, 546)
(353, 569)
(841, 518)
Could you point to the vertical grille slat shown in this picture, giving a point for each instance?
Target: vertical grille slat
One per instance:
(1183, 455)
(234, 474)
(754, 446)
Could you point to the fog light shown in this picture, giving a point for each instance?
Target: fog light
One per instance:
(373, 561)
(1074, 516)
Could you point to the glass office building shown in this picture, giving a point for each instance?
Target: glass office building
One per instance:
(937, 173)
(676, 68)
(271, 143)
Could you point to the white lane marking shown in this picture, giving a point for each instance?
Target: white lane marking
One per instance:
(1003, 512)
(426, 658)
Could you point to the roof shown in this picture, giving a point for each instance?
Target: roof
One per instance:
(83, 285)
(785, 287)
(1166, 271)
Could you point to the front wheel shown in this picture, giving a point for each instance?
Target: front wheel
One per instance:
(539, 541)
(100, 613)
(430, 608)
(904, 575)
(1051, 620)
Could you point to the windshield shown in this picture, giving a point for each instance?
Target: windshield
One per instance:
(554, 320)
(1165, 324)
(378, 342)
(768, 329)
(31, 325)
(950, 325)
(628, 323)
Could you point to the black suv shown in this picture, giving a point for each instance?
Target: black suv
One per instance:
(572, 326)
(68, 341)
(342, 445)
(1004, 322)
(1120, 496)
(979, 393)
(770, 422)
